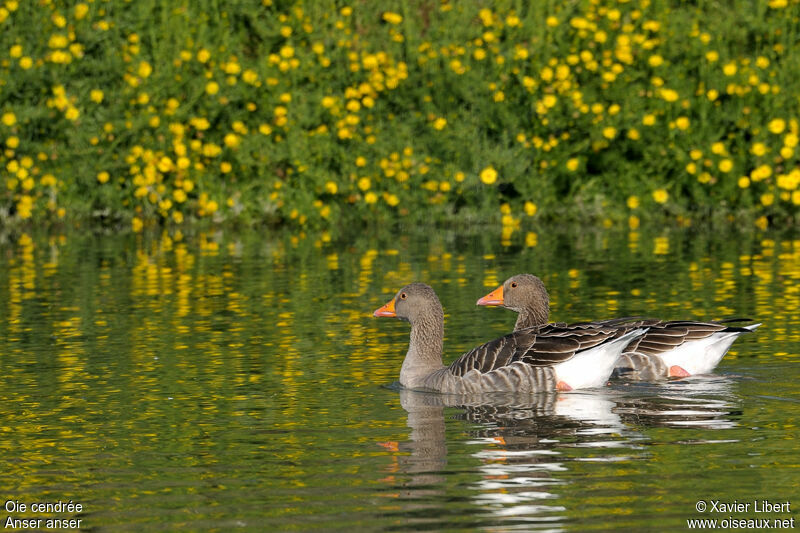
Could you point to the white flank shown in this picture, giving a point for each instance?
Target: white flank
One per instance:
(702, 356)
(592, 367)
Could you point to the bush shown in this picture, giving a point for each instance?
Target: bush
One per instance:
(154, 112)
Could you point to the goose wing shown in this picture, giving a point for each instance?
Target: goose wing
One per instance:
(538, 346)
(668, 335)
(532, 346)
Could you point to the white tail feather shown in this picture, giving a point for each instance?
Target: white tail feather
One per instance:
(703, 355)
(593, 367)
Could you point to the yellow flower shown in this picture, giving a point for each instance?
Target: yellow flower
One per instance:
(203, 55)
(391, 199)
(718, 148)
(609, 132)
(232, 140)
(488, 175)
(767, 199)
(144, 69)
(660, 196)
(670, 95)
(744, 182)
(225, 167)
(58, 41)
(96, 95)
(551, 21)
(25, 63)
(655, 60)
(179, 195)
(776, 126)
(9, 118)
(691, 168)
(211, 206)
(250, 76)
(439, 123)
(761, 173)
(392, 18)
(712, 56)
(212, 87)
(726, 165)
(649, 119)
(364, 183)
(633, 202)
(136, 224)
(15, 51)
(331, 187)
(759, 149)
(572, 164)
(530, 208)
(370, 197)
(25, 207)
(729, 69)
(103, 176)
(81, 10)
(682, 123)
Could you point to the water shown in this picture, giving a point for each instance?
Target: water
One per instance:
(238, 381)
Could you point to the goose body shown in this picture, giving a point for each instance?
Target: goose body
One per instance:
(669, 348)
(542, 359)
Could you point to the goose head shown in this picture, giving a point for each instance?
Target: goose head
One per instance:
(525, 294)
(413, 303)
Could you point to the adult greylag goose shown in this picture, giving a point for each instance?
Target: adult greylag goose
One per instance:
(669, 348)
(536, 360)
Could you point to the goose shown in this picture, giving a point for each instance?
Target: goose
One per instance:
(676, 348)
(534, 360)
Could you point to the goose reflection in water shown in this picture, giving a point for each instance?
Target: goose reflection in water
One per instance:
(523, 441)
(517, 439)
(707, 402)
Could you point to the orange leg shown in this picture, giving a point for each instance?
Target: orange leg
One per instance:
(676, 371)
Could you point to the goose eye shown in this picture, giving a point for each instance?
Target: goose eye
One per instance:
(402, 296)
(513, 284)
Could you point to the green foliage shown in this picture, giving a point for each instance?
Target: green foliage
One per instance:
(318, 113)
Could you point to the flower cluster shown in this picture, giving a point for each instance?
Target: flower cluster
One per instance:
(310, 113)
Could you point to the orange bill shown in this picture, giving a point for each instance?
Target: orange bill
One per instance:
(493, 298)
(386, 309)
